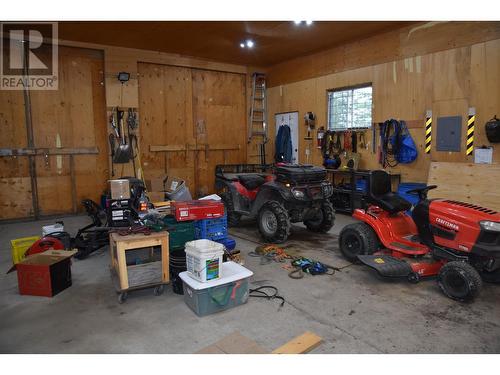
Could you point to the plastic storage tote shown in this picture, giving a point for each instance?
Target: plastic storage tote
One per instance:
(178, 232)
(211, 229)
(19, 246)
(204, 259)
(217, 295)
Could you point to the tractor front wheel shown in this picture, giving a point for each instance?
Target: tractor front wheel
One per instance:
(459, 281)
(274, 223)
(357, 239)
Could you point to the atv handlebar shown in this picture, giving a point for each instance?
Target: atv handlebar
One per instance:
(421, 192)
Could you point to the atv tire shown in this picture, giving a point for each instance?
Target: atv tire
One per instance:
(325, 220)
(233, 218)
(459, 281)
(357, 239)
(274, 223)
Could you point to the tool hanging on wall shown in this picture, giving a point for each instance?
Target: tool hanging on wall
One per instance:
(347, 141)
(374, 139)
(123, 151)
(132, 120)
(362, 140)
(354, 141)
(330, 149)
(310, 119)
(319, 136)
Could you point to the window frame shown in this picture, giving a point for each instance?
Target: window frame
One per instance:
(345, 88)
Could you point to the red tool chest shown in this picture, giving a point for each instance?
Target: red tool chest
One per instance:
(197, 210)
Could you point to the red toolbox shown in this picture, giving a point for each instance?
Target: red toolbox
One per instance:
(45, 274)
(197, 210)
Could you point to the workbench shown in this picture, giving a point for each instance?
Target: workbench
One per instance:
(346, 200)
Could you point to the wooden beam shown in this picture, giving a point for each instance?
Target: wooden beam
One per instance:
(190, 147)
(48, 151)
(300, 344)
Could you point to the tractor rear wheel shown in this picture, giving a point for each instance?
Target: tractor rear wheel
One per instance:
(324, 219)
(357, 239)
(274, 223)
(233, 218)
(459, 281)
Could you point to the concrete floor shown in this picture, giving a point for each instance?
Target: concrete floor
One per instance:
(352, 310)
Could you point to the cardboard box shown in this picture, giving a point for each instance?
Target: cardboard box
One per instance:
(45, 274)
(163, 183)
(156, 184)
(120, 189)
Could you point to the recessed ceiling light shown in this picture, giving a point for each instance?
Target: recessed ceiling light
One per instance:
(309, 22)
(250, 43)
(242, 45)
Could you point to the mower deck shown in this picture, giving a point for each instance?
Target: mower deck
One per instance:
(386, 265)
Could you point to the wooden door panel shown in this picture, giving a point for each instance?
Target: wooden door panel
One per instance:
(219, 111)
(166, 120)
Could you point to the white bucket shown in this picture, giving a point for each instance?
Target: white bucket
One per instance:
(204, 259)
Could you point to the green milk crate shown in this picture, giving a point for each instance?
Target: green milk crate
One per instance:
(178, 232)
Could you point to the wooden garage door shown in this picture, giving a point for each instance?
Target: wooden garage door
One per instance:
(72, 117)
(191, 120)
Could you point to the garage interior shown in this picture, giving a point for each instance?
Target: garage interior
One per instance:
(181, 100)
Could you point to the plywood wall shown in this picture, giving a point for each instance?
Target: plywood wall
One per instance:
(446, 82)
(73, 116)
(199, 115)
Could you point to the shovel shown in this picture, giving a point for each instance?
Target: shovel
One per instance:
(123, 152)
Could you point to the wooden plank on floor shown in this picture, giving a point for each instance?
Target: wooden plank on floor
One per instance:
(300, 344)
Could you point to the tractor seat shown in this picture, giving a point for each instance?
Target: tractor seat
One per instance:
(251, 181)
(379, 193)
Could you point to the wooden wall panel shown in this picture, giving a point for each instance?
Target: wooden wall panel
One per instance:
(73, 116)
(190, 109)
(446, 82)
(399, 44)
(466, 182)
(15, 182)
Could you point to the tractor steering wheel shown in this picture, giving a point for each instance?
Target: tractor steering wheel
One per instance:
(421, 192)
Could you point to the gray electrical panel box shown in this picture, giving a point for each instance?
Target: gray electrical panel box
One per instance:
(449, 133)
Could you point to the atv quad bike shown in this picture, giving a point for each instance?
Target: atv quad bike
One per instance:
(276, 196)
(455, 241)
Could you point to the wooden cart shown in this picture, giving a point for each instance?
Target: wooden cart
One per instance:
(151, 274)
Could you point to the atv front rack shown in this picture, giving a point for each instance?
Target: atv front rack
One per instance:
(220, 169)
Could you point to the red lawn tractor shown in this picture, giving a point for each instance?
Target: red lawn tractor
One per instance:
(455, 241)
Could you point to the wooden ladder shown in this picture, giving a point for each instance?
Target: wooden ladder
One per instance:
(257, 126)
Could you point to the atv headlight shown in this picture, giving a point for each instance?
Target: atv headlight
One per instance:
(298, 194)
(490, 225)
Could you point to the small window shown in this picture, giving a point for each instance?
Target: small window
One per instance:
(350, 108)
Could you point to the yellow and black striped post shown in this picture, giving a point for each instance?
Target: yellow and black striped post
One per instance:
(428, 132)
(469, 146)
